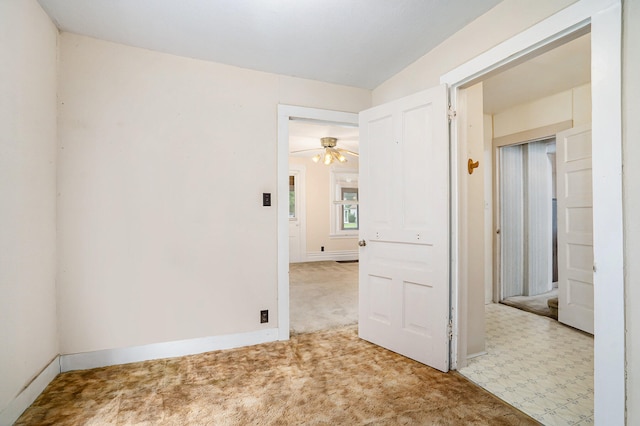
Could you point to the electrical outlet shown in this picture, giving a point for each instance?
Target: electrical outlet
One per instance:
(266, 199)
(322, 248)
(264, 316)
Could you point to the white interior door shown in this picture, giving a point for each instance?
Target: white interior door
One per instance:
(294, 241)
(404, 201)
(297, 228)
(575, 228)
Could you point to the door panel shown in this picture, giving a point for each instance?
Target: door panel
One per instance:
(404, 196)
(575, 228)
(380, 200)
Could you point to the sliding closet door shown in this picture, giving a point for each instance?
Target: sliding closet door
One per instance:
(538, 221)
(525, 219)
(512, 221)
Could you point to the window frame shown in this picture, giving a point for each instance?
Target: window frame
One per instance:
(338, 182)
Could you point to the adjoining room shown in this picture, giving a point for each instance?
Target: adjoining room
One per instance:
(323, 225)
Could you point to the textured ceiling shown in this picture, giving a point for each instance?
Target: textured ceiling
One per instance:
(358, 43)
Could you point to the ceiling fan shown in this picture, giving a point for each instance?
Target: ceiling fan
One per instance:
(330, 152)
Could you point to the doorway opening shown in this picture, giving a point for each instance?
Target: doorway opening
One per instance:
(323, 225)
(520, 352)
(528, 275)
(311, 296)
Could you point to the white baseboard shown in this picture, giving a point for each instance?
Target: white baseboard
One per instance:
(317, 256)
(25, 398)
(103, 358)
(477, 354)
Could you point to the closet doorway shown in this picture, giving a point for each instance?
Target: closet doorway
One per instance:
(527, 226)
(545, 221)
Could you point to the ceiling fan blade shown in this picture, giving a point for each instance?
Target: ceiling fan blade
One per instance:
(355, 154)
(305, 150)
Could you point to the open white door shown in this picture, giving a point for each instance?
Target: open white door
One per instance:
(404, 202)
(575, 228)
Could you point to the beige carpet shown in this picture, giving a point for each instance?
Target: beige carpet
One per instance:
(323, 295)
(322, 378)
(535, 304)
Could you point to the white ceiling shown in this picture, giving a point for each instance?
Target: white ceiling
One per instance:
(358, 43)
(555, 71)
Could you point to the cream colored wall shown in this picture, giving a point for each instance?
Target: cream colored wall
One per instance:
(574, 104)
(581, 105)
(631, 194)
(28, 331)
(505, 20)
(489, 234)
(163, 162)
(317, 197)
(473, 218)
(539, 113)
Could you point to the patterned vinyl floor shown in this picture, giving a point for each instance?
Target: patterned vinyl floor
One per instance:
(537, 365)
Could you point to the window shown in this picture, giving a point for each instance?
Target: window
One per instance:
(349, 211)
(344, 203)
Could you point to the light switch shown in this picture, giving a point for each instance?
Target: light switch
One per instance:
(266, 199)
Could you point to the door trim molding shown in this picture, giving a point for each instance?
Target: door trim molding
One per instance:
(605, 20)
(532, 135)
(285, 114)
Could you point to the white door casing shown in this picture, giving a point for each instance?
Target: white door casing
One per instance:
(404, 192)
(575, 228)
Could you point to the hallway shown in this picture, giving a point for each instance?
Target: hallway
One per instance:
(536, 364)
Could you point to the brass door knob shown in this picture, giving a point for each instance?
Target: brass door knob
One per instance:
(362, 243)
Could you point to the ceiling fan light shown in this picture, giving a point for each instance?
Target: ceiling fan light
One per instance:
(330, 153)
(328, 159)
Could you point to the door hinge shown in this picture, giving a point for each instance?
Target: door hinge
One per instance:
(450, 329)
(451, 113)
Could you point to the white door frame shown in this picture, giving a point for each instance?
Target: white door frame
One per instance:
(604, 16)
(285, 114)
